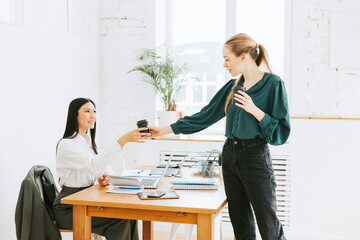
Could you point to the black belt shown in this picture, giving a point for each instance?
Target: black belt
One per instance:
(245, 142)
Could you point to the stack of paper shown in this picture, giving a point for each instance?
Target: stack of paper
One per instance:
(195, 183)
(124, 185)
(135, 173)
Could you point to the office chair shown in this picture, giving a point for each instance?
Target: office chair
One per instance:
(35, 202)
(188, 231)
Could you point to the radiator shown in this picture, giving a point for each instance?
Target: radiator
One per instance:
(281, 165)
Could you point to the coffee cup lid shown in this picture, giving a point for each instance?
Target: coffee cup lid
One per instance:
(142, 122)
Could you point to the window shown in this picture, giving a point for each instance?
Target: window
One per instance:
(195, 31)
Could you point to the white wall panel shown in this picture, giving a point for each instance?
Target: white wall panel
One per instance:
(42, 68)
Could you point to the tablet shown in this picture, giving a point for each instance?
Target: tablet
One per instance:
(153, 195)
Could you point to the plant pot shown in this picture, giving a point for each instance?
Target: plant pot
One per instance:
(220, 171)
(165, 118)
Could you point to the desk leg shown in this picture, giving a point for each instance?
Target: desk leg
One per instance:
(205, 227)
(148, 233)
(81, 224)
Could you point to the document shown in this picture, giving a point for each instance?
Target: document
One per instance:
(135, 173)
(124, 189)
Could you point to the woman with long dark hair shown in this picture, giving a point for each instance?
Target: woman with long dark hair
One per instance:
(255, 116)
(79, 165)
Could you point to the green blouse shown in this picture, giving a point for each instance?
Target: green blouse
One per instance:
(268, 94)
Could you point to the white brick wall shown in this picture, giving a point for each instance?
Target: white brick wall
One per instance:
(323, 152)
(127, 26)
(42, 68)
(317, 89)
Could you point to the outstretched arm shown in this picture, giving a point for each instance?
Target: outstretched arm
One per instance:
(133, 136)
(159, 131)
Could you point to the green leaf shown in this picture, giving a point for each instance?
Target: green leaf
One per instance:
(161, 72)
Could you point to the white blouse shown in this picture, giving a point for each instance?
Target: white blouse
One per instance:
(77, 165)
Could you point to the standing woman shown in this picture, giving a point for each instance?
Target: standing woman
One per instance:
(259, 116)
(79, 165)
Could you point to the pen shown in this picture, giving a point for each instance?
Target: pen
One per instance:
(141, 171)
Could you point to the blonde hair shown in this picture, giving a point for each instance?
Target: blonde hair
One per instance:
(242, 43)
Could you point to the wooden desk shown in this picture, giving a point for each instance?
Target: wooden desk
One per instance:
(194, 207)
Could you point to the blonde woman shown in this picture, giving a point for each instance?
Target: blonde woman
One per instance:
(257, 116)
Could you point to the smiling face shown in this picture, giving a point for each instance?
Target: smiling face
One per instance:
(231, 62)
(86, 117)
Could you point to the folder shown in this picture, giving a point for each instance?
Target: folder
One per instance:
(195, 180)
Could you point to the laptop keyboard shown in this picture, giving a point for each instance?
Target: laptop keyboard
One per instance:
(149, 182)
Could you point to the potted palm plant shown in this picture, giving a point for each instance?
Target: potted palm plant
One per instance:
(165, 76)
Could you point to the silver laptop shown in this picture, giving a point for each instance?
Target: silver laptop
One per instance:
(171, 170)
(175, 171)
(153, 182)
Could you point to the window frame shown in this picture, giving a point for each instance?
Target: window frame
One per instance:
(230, 30)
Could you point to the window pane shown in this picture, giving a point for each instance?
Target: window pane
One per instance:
(197, 93)
(198, 77)
(267, 30)
(181, 96)
(198, 38)
(211, 90)
(198, 21)
(211, 77)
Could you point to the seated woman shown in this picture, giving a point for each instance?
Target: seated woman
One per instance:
(79, 165)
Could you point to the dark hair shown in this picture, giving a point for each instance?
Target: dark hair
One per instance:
(72, 125)
(242, 43)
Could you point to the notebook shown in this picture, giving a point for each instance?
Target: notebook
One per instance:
(194, 187)
(195, 180)
(195, 183)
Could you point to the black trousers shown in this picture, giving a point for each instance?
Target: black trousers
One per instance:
(111, 228)
(249, 181)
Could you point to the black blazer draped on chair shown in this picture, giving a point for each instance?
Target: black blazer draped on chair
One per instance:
(34, 217)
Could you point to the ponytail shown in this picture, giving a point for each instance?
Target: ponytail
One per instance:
(263, 58)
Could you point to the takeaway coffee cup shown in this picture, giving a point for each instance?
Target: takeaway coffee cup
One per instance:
(141, 124)
(236, 89)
